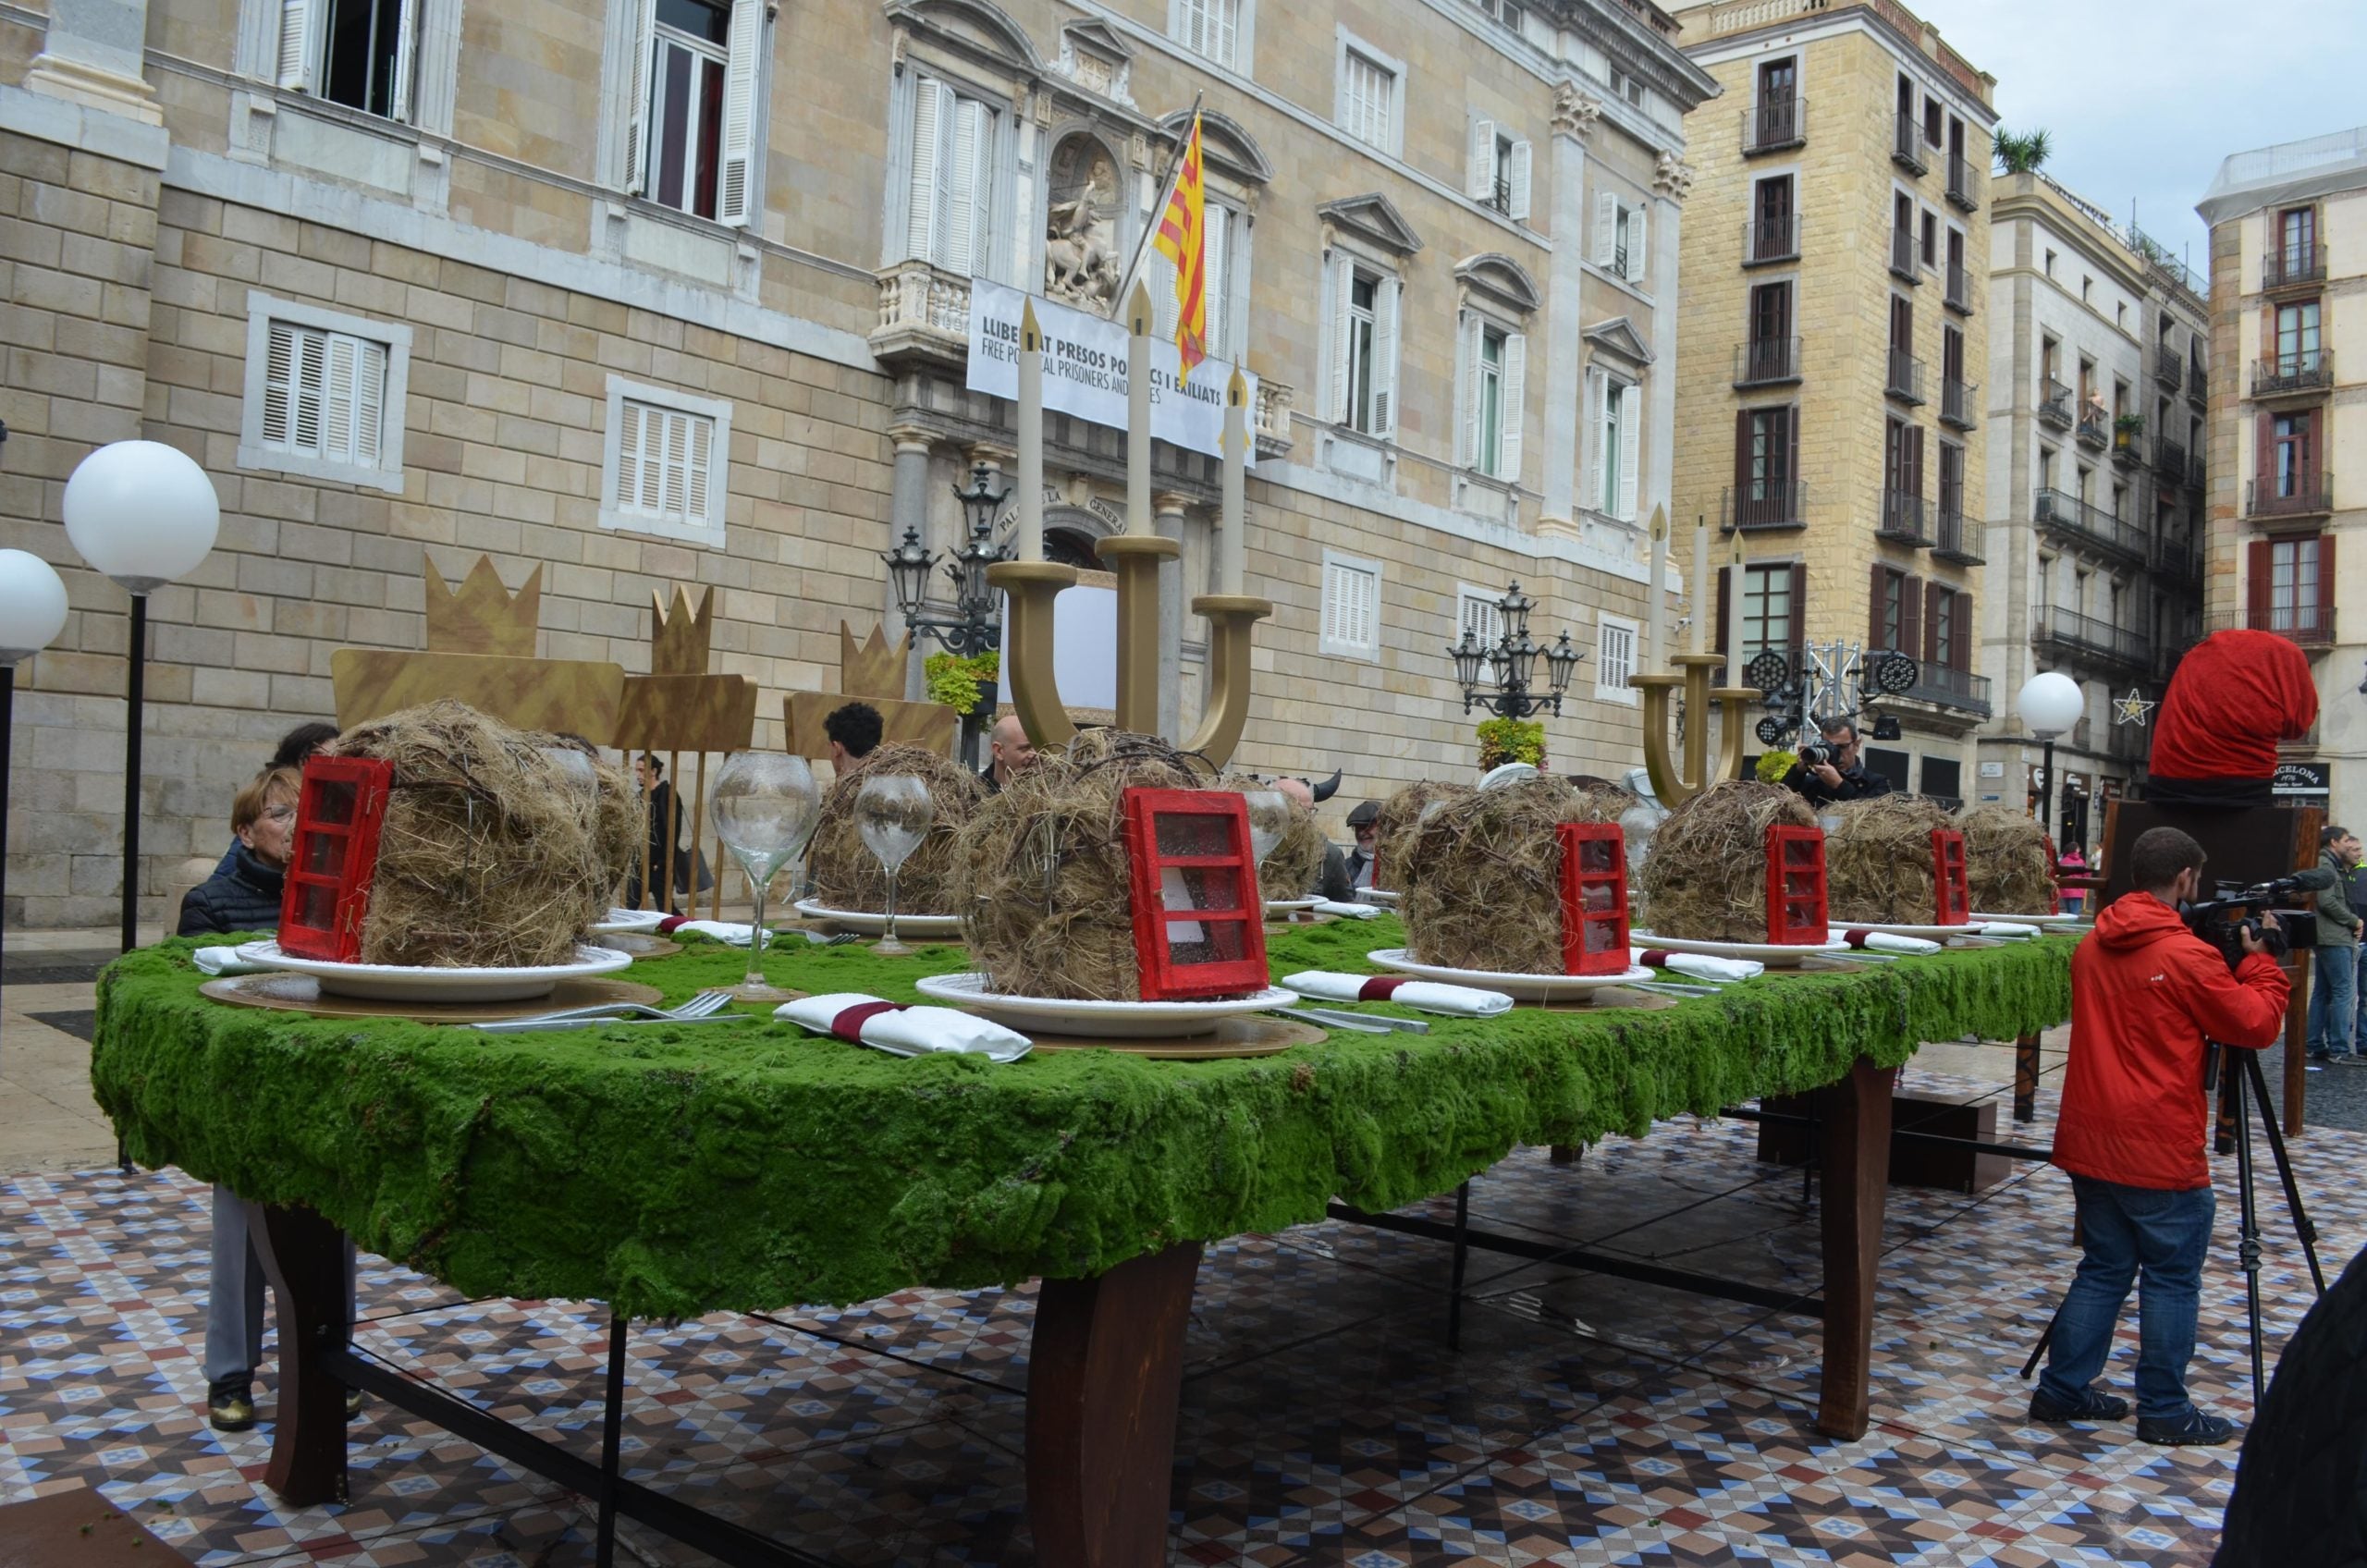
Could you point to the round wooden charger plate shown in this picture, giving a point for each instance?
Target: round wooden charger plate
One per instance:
(1247, 1036)
(301, 993)
(640, 944)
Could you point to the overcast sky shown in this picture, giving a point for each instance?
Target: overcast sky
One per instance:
(2144, 99)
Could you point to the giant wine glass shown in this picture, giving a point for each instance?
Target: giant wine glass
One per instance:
(893, 814)
(1269, 823)
(765, 807)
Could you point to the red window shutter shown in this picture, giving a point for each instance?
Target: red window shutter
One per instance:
(1594, 898)
(1726, 608)
(1877, 626)
(1951, 897)
(1199, 927)
(1932, 651)
(333, 858)
(1960, 634)
(2256, 593)
(1799, 611)
(1910, 617)
(1795, 905)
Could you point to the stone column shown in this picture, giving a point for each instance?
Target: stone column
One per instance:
(1670, 182)
(1565, 203)
(95, 54)
(908, 507)
(1167, 521)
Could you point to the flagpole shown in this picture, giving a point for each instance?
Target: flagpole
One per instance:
(1158, 208)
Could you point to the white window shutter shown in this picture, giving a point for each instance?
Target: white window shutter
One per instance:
(932, 107)
(1516, 373)
(1384, 360)
(957, 187)
(630, 421)
(1606, 222)
(1466, 390)
(981, 195)
(1519, 212)
(734, 199)
(671, 497)
(1344, 284)
(304, 429)
(337, 399)
(1631, 422)
(369, 403)
(406, 58)
(1215, 278)
(698, 468)
(1332, 588)
(279, 384)
(1025, 220)
(1639, 224)
(1159, 276)
(644, 42)
(1592, 431)
(300, 44)
(1480, 175)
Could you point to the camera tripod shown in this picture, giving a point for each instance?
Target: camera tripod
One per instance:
(2238, 1069)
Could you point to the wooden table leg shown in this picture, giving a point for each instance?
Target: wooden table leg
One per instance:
(1104, 1380)
(303, 1256)
(2026, 1070)
(1856, 1181)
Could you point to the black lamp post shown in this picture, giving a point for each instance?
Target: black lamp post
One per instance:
(973, 627)
(1500, 676)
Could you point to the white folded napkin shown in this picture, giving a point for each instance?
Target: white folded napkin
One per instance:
(1346, 911)
(2007, 928)
(1423, 995)
(1701, 966)
(905, 1031)
(225, 960)
(736, 932)
(1890, 942)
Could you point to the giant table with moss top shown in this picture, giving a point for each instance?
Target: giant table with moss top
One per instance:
(670, 1170)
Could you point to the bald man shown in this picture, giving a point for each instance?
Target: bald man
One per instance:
(1333, 882)
(1013, 753)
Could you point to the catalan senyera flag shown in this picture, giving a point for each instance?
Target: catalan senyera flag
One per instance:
(1182, 239)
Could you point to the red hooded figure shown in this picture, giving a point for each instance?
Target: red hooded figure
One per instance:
(2235, 696)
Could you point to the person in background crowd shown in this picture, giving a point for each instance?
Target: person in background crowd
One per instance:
(1332, 881)
(2333, 999)
(1365, 823)
(1843, 779)
(245, 899)
(855, 730)
(2146, 993)
(2071, 863)
(665, 830)
(2354, 893)
(1013, 753)
(245, 896)
(295, 749)
(2235, 695)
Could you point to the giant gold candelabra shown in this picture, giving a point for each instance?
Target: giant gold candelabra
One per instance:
(1674, 784)
(1033, 583)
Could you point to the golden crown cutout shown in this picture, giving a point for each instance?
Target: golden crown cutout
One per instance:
(481, 617)
(876, 669)
(679, 643)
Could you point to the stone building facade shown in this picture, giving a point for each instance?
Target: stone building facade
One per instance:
(2099, 357)
(1833, 361)
(2289, 418)
(676, 292)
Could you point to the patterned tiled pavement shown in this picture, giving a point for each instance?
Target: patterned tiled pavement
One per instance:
(1585, 1420)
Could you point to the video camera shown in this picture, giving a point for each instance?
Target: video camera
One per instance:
(2223, 921)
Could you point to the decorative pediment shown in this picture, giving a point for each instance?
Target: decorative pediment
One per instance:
(1098, 59)
(1503, 281)
(1373, 218)
(1227, 146)
(1617, 338)
(980, 28)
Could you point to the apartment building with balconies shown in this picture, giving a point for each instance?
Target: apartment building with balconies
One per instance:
(680, 292)
(2098, 355)
(2287, 431)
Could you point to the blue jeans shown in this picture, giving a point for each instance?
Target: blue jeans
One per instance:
(2124, 1231)
(2359, 1032)
(2334, 1001)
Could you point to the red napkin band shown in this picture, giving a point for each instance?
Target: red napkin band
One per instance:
(665, 927)
(1854, 938)
(1380, 988)
(1657, 956)
(848, 1025)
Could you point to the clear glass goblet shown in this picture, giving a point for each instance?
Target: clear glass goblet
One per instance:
(1270, 821)
(893, 814)
(765, 807)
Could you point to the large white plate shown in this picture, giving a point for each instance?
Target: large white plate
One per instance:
(419, 983)
(1900, 928)
(622, 920)
(1521, 988)
(2041, 921)
(1774, 955)
(871, 923)
(1116, 1020)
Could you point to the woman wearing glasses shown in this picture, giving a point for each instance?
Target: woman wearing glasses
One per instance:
(244, 895)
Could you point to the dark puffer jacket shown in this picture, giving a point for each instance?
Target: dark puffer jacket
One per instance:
(2300, 1494)
(244, 899)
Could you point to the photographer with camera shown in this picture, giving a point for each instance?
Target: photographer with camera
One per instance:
(1835, 770)
(2146, 994)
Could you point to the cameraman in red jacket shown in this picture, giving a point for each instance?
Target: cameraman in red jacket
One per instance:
(2145, 993)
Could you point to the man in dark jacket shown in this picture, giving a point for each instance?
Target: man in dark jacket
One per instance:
(246, 897)
(2334, 1000)
(2146, 994)
(1843, 779)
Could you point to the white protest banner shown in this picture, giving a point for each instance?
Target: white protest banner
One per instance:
(1085, 371)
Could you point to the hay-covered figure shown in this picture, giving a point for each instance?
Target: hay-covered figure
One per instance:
(1486, 888)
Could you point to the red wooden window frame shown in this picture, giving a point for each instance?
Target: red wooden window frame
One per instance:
(333, 858)
(1951, 894)
(1159, 975)
(1795, 902)
(1594, 939)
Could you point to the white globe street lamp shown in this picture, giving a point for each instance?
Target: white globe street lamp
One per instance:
(2050, 702)
(33, 612)
(143, 514)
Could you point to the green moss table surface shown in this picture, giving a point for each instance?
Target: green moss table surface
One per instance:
(672, 1170)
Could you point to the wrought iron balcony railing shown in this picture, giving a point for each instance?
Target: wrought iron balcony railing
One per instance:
(2095, 431)
(1906, 142)
(2178, 557)
(1903, 519)
(1762, 361)
(2099, 639)
(1905, 379)
(1902, 256)
(1959, 297)
(2292, 495)
(1959, 689)
(2054, 404)
(2080, 523)
(2127, 447)
(2310, 625)
(1958, 538)
(1762, 506)
(1964, 183)
(2169, 460)
(1955, 403)
(2287, 266)
(2284, 375)
(1775, 124)
(2196, 476)
(2171, 370)
(1771, 240)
